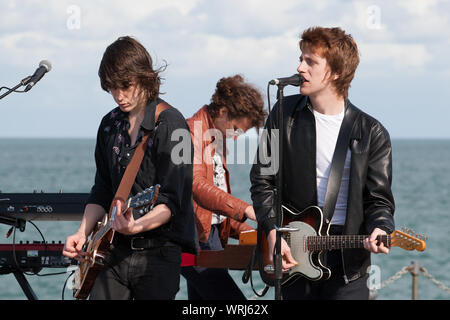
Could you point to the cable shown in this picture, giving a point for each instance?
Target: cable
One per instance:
(14, 252)
(15, 256)
(65, 283)
(18, 91)
(14, 249)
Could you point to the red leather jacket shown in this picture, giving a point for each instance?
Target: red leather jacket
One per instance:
(207, 197)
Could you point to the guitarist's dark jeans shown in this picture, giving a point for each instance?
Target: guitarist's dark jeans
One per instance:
(334, 288)
(150, 274)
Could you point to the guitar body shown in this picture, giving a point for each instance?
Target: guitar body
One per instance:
(97, 247)
(96, 253)
(309, 222)
(309, 239)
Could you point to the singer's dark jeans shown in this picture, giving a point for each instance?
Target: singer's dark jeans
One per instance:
(334, 288)
(150, 274)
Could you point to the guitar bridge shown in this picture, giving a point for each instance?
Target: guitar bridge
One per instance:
(101, 259)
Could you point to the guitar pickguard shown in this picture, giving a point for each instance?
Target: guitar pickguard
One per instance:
(300, 253)
(310, 264)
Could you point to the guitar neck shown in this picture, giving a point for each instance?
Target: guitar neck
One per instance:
(107, 227)
(318, 243)
(143, 199)
(102, 231)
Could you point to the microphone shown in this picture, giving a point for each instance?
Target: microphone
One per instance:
(44, 67)
(294, 80)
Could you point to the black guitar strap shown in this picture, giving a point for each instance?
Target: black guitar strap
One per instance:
(337, 163)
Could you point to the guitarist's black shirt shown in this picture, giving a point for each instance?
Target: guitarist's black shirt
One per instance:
(114, 151)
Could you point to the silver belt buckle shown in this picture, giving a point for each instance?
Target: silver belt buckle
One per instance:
(132, 244)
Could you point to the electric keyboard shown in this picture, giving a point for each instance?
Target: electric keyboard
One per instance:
(42, 206)
(32, 257)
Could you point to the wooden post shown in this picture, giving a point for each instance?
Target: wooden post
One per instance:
(414, 269)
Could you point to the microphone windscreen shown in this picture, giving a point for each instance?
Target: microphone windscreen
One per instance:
(47, 64)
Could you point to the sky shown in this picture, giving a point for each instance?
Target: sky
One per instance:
(402, 80)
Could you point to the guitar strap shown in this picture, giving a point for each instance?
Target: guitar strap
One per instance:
(127, 181)
(337, 163)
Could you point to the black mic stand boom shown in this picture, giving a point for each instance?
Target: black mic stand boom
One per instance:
(22, 83)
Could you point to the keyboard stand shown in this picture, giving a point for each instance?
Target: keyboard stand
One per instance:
(26, 288)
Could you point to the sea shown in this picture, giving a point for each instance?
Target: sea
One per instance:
(421, 187)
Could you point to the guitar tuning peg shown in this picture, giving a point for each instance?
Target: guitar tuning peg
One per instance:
(409, 231)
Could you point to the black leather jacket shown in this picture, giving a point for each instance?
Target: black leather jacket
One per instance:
(370, 200)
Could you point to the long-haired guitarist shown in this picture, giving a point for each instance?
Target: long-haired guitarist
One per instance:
(145, 255)
(312, 122)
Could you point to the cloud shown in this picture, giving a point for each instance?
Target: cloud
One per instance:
(223, 54)
(215, 33)
(20, 45)
(203, 40)
(395, 56)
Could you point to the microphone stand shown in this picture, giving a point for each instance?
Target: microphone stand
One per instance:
(278, 199)
(278, 190)
(24, 82)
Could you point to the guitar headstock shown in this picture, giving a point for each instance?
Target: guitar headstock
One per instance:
(408, 240)
(145, 198)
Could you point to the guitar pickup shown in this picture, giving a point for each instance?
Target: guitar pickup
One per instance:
(286, 229)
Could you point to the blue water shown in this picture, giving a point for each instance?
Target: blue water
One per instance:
(421, 186)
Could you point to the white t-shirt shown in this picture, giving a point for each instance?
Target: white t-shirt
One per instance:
(327, 131)
(220, 182)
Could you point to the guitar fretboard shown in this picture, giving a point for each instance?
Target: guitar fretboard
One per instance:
(318, 243)
(105, 229)
(102, 231)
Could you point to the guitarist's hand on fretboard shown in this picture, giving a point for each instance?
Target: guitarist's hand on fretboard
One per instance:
(123, 220)
(373, 245)
(288, 261)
